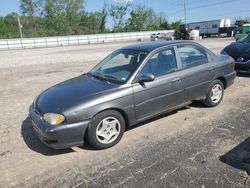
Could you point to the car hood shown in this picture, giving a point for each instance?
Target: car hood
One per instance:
(237, 49)
(70, 92)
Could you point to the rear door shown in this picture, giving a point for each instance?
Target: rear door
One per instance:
(197, 71)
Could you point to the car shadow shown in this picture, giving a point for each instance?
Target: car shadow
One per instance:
(239, 156)
(32, 141)
(156, 118)
(198, 104)
(88, 147)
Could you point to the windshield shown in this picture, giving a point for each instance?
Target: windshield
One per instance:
(118, 66)
(245, 39)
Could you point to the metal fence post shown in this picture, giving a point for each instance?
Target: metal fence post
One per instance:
(34, 42)
(7, 42)
(21, 41)
(88, 39)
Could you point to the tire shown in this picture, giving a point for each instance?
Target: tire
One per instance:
(213, 98)
(105, 129)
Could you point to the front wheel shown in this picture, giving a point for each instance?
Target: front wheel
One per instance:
(215, 94)
(106, 129)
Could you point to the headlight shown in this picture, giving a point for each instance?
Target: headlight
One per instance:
(53, 119)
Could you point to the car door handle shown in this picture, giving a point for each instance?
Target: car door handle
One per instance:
(176, 80)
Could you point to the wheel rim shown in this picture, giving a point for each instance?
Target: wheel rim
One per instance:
(216, 93)
(108, 130)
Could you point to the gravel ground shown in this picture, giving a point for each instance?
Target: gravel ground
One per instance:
(191, 147)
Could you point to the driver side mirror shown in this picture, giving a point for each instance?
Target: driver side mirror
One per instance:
(146, 78)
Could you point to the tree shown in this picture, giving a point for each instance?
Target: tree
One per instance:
(27, 7)
(117, 12)
(163, 23)
(62, 17)
(104, 15)
(3, 28)
(143, 18)
(9, 26)
(73, 10)
(176, 25)
(67, 17)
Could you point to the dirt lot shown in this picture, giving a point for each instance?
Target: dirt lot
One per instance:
(191, 147)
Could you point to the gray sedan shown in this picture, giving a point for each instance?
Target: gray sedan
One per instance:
(131, 85)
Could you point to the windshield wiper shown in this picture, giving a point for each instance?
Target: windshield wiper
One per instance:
(99, 77)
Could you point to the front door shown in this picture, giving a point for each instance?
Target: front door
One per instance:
(165, 92)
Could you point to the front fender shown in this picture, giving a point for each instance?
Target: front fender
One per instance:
(122, 99)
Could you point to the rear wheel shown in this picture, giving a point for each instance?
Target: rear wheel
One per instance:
(215, 94)
(106, 129)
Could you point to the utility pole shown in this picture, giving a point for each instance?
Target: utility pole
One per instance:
(20, 27)
(185, 12)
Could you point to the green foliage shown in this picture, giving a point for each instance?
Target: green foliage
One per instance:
(62, 17)
(27, 7)
(176, 25)
(117, 12)
(67, 17)
(91, 23)
(143, 18)
(103, 15)
(9, 26)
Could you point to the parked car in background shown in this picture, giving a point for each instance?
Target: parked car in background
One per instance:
(240, 51)
(162, 36)
(155, 36)
(129, 86)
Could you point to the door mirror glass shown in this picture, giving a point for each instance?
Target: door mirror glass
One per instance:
(146, 78)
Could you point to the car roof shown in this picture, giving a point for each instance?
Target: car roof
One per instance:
(150, 46)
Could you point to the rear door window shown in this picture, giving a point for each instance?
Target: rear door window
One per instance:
(192, 56)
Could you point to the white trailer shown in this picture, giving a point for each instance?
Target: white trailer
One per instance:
(213, 27)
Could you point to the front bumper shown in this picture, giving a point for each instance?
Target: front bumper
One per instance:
(242, 67)
(60, 136)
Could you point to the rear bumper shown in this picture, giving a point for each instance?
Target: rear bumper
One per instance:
(61, 136)
(242, 66)
(230, 78)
